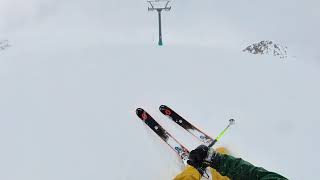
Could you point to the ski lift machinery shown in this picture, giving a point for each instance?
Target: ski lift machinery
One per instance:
(159, 6)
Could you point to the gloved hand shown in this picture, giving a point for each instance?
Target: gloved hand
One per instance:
(200, 158)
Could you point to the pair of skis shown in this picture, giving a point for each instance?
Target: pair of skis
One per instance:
(181, 151)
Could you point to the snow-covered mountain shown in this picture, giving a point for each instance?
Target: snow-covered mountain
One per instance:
(77, 70)
(267, 47)
(4, 44)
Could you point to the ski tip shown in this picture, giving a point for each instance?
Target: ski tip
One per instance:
(139, 111)
(142, 114)
(165, 110)
(162, 107)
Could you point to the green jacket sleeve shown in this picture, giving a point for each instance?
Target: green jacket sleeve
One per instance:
(238, 169)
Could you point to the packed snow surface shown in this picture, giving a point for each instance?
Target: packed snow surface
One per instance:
(76, 71)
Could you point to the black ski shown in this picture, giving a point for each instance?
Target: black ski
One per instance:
(182, 152)
(200, 135)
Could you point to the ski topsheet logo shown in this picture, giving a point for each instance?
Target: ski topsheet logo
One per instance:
(144, 116)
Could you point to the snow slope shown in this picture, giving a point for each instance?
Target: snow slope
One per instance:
(76, 71)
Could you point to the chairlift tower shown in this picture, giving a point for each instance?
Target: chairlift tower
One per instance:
(159, 5)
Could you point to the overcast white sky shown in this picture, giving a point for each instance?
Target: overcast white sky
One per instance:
(209, 22)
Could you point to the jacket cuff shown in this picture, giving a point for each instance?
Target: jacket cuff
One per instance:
(216, 160)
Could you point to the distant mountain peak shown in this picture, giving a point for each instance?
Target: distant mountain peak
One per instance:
(4, 44)
(267, 47)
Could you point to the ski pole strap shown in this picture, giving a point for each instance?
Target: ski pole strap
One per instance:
(231, 122)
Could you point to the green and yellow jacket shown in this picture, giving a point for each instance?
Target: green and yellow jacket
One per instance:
(229, 167)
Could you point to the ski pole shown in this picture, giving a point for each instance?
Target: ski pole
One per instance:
(231, 122)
